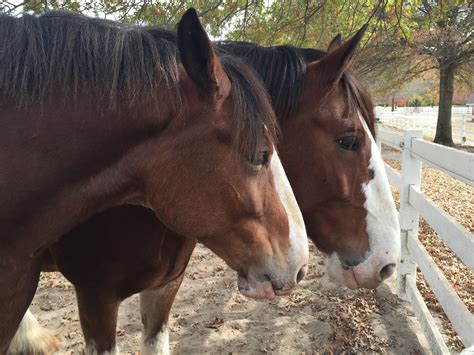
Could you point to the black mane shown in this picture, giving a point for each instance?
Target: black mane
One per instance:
(64, 56)
(283, 68)
(67, 54)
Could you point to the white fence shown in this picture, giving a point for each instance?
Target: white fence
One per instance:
(425, 118)
(431, 110)
(413, 203)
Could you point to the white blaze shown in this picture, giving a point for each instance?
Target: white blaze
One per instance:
(382, 219)
(299, 252)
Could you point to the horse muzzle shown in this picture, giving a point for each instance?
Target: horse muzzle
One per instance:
(368, 274)
(267, 287)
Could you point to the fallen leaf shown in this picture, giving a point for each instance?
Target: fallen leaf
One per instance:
(217, 323)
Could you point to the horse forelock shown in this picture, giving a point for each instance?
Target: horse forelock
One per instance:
(357, 97)
(253, 116)
(359, 100)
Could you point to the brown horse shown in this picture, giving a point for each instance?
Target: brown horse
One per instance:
(335, 168)
(97, 114)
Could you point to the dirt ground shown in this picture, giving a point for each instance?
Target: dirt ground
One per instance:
(210, 315)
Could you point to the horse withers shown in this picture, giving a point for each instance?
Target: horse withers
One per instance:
(97, 114)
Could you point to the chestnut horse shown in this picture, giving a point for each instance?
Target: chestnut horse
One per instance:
(328, 149)
(97, 114)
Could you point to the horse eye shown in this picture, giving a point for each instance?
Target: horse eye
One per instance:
(261, 159)
(348, 143)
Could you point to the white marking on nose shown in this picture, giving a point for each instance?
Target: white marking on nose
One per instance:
(299, 251)
(382, 220)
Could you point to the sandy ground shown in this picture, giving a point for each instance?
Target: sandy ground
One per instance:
(209, 315)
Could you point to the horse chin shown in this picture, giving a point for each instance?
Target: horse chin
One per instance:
(338, 274)
(256, 289)
(350, 279)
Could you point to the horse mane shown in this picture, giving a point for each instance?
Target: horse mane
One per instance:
(283, 68)
(67, 54)
(64, 56)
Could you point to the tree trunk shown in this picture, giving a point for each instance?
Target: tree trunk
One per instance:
(446, 87)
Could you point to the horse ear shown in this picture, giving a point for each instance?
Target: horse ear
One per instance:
(331, 67)
(198, 56)
(335, 43)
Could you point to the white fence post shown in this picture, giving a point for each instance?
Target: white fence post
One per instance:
(409, 216)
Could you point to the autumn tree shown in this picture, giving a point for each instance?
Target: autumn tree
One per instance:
(403, 42)
(444, 34)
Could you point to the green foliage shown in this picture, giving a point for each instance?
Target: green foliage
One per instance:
(404, 39)
(417, 101)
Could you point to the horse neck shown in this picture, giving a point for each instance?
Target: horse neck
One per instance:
(63, 165)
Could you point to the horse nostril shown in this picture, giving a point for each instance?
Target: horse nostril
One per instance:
(387, 271)
(301, 274)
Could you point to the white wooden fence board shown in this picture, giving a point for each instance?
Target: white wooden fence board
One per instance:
(435, 339)
(391, 138)
(426, 119)
(458, 238)
(453, 306)
(393, 176)
(454, 162)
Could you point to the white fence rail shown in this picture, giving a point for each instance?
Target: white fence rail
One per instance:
(414, 203)
(425, 118)
(431, 110)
